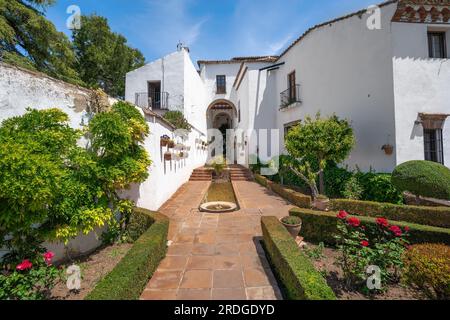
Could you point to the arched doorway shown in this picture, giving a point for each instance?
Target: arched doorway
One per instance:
(222, 116)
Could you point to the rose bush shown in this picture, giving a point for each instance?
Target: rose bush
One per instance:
(363, 246)
(30, 279)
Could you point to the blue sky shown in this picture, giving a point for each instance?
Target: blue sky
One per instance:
(213, 29)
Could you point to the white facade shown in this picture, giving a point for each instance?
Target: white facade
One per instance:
(381, 80)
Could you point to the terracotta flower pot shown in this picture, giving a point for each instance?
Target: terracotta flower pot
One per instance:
(322, 204)
(293, 229)
(167, 156)
(164, 142)
(388, 149)
(171, 144)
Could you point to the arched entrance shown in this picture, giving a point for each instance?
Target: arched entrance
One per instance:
(221, 115)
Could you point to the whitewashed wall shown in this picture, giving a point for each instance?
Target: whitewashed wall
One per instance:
(20, 89)
(421, 85)
(345, 68)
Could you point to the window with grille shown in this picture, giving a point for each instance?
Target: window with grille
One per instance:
(434, 146)
(437, 45)
(221, 84)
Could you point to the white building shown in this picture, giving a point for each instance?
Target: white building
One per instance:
(391, 80)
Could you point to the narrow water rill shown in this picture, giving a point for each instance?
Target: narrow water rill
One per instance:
(220, 197)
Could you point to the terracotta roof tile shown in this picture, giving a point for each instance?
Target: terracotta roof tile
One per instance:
(422, 11)
(240, 60)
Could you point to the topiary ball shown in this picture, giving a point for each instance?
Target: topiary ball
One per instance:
(423, 178)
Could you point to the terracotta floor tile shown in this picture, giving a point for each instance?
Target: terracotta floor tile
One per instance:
(173, 263)
(180, 249)
(165, 280)
(226, 238)
(185, 238)
(206, 238)
(227, 263)
(197, 279)
(203, 249)
(159, 295)
(194, 294)
(229, 294)
(254, 262)
(228, 279)
(256, 278)
(262, 293)
(200, 262)
(230, 249)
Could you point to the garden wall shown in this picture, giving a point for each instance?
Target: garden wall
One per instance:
(20, 89)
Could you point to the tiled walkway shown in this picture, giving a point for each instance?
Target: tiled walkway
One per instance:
(216, 256)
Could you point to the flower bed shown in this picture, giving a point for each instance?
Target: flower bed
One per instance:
(128, 279)
(296, 272)
(321, 226)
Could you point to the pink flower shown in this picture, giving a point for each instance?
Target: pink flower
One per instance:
(365, 243)
(354, 222)
(342, 215)
(25, 265)
(48, 256)
(383, 222)
(396, 230)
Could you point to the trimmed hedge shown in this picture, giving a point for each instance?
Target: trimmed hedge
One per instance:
(431, 216)
(423, 178)
(299, 199)
(129, 278)
(297, 273)
(319, 226)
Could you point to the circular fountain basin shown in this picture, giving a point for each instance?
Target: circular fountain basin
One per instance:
(218, 207)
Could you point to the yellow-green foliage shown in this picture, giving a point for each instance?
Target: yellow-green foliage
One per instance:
(297, 273)
(128, 279)
(427, 266)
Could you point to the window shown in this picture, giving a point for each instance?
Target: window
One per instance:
(288, 127)
(434, 147)
(292, 86)
(437, 45)
(221, 84)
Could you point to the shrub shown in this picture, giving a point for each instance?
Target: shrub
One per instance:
(352, 189)
(362, 246)
(297, 273)
(30, 280)
(291, 221)
(378, 187)
(432, 216)
(130, 276)
(427, 266)
(322, 227)
(177, 119)
(423, 178)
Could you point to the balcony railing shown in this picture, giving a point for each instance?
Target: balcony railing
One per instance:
(152, 101)
(290, 96)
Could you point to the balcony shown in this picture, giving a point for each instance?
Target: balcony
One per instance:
(152, 101)
(290, 97)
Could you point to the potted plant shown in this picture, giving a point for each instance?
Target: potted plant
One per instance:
(293, 225)
(171, 144)
(164, 141)
(388, 149)
(321, 202)
(168, 156)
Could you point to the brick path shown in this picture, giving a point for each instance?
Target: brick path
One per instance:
(216, 256)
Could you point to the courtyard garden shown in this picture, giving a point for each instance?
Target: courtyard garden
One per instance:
(358, 238)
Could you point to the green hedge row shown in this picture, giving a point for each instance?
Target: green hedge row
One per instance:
(297, 273)
(319, 226)
(431, 216)
(129, 278)
(299, 199)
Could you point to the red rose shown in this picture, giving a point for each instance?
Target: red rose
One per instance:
(407, 229)
(365, 243)
(342, 215)
(354, 222)
(396, 230)
(48, 256)
(382, 222)
(25, 265)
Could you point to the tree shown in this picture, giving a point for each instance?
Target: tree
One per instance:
(103, 56)
(52, 189)
(318, 140)
(29, 40)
